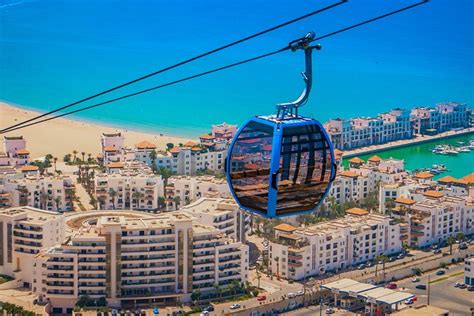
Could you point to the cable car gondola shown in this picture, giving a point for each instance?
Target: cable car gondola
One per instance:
(282, 164)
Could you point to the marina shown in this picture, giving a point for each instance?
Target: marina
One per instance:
(420, 156)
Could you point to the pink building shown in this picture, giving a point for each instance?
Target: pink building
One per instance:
(15, 153)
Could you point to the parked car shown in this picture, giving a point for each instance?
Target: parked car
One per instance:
(369, 264)
(235, 306)
(409, 301)
(392, 259)
(361, 267)
(470, 288)
(208, 308)
(204, 313)
(300, 293)
(421, 287)
(261, 298)
(463, 246)
(329, 311)
(391, 286)
(462, 286)
(457, 284)
(291, 295)
(440, 272)
(414, 280)
(400, 256)
(437, 251)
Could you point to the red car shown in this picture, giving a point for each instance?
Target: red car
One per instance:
(391, 286)
(261, 298)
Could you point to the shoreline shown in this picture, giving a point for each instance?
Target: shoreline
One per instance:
(406, 143)
(61, 136)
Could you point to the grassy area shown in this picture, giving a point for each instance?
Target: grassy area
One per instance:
(5, 278)
(447, 277)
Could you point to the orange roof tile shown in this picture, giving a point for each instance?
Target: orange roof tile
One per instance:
(22, 152)
(349, 174)
(27, 168)
(206, 136)
(375, 159)
(285, 227)
(433, 194)
(447, 179)
(116, 165)
(469, 178)
(196, 148)
(110, 148)
(251, 166)
(174, 150)
(190, 144)
(356, 160)
(424, 175)
(357, 211)
(145, 145)
(338, 153)
(406, 201)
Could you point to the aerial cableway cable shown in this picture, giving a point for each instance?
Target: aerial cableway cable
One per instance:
(184, 62)
(23, 125)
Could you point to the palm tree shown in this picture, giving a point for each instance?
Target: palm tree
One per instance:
(55, 160)
(384, 259)
(177, 201)
(74, 152)
(137, 195)
(332, 204)
(196, 296)
(113, 195)
(235, 285)
(258, 277)
(460, 236)
(83, 154)
(89, 157)
(165, 173)
(218, 289)
(44, 197)
(57, 200)
(451, 241)
(277, 260)
(389, 205)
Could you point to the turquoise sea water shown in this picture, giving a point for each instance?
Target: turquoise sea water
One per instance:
(53, 52)
(420, 156)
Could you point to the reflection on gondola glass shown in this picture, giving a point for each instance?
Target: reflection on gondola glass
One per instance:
(280, 167)
(305, 168)
(250, 165)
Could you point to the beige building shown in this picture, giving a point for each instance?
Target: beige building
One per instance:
(358, 237)
(182, 190)
(128, 190)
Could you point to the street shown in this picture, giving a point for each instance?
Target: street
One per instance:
(442, 293)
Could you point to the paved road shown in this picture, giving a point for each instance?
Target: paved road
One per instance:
(443, 293)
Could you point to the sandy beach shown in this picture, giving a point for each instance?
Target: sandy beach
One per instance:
(61, 136)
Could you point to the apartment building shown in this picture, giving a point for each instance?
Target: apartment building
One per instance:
(437, 217)
(137, 259)
(186, 159)
(296, 253)
(441, 118)
(469, 271)
(222, 214)
(52, 193)
(128, 189)
(365, 131)
(182, 190)
(24, 232)
(14, 151)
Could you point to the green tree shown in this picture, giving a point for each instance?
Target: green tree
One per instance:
(196, 296)
(277, 261)
(83, 154)
(74, 152)
(451, 241)
(113, 194)
(389, 204)
(460, 236)
(169, 146)
(165, 173)
(381, 258)
(235, 286)
(137, 196)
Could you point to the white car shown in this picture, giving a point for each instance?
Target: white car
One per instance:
(291, 295)
(409, 301)
(205, 313)
(234, 306)
(414, 280)
(300, 293)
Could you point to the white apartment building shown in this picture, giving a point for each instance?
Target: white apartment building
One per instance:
(188, 159)
(182, 190)
(469, 271)
(14, 151)
(24, 232)
(365, 131)
(437, 217)
(441, 118)
(137, 259)
(223, 214)
(52, 193)
(128, 189)
(358, 237)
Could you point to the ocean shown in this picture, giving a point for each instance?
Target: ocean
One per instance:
(54, 52)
